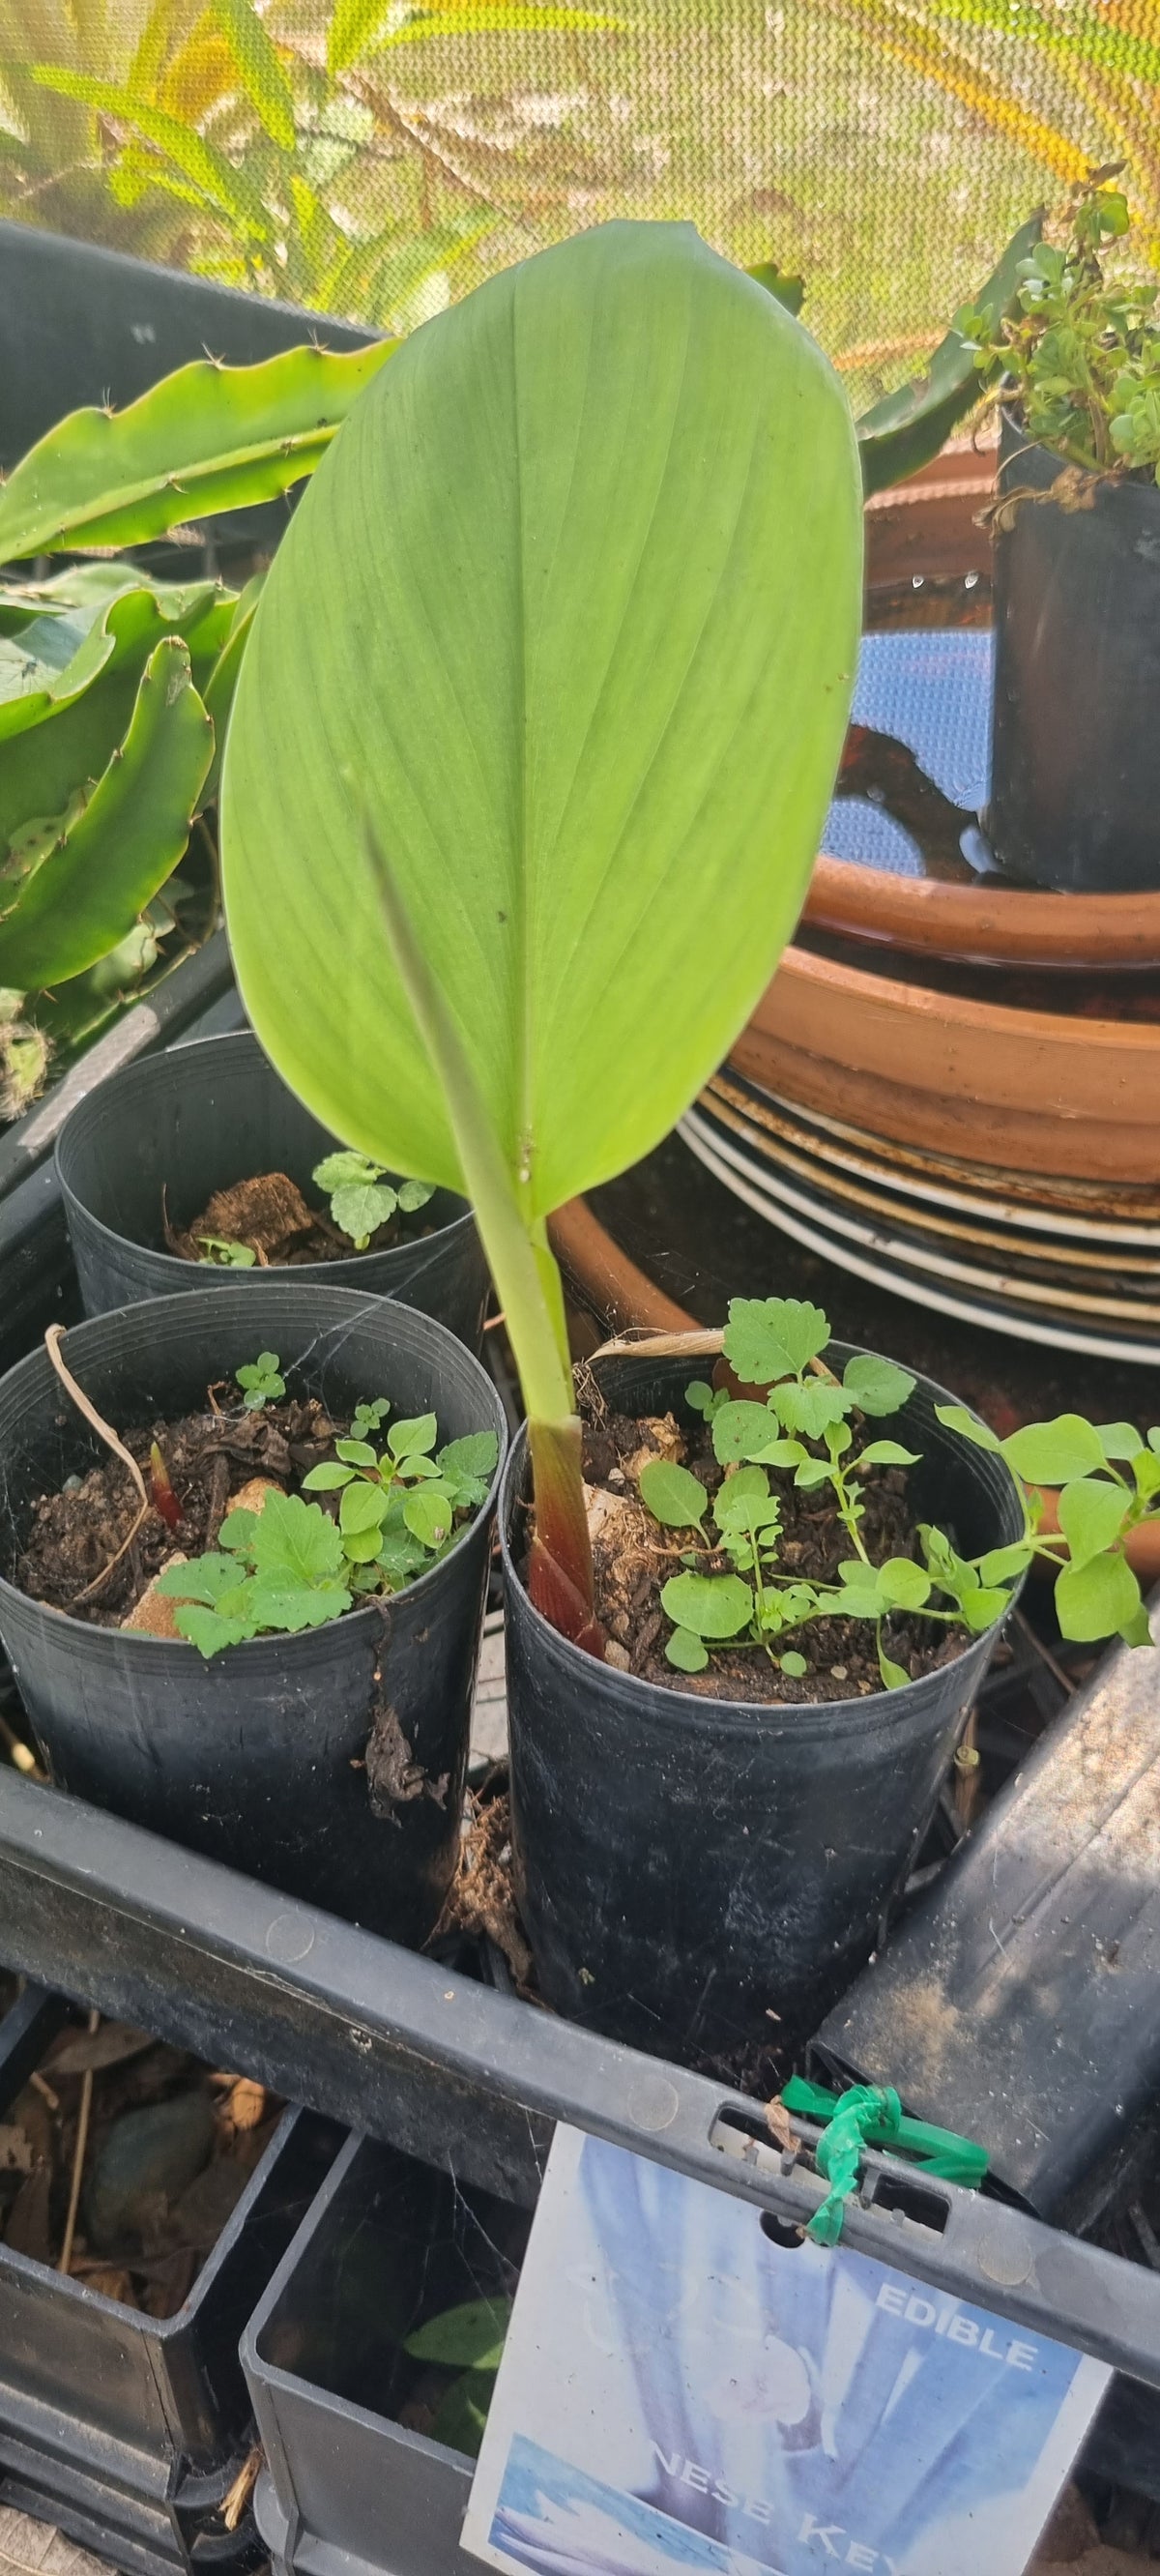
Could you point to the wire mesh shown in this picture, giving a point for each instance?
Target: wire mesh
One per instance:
(376, 161)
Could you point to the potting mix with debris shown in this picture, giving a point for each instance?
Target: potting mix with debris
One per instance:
(580, 1264)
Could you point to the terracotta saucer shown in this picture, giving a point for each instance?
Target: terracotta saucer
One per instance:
(987, 923)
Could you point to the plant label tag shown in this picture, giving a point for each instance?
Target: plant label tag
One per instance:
(679, 2391)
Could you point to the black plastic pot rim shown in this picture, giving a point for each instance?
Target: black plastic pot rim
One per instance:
(346, 1272)
(723, 1716)
(360, 1621)
(1108, 478)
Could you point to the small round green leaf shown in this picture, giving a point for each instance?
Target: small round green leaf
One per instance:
(712, 1605)
(363, 1507)
(686, 1651)
(429, 1516)
(904, 1585)
(1097, 1599)
(794, 1665)
(739, 1429)
(359, 1212)
(672, 1495)
(412, 1438)
(877, 1386)
(414, 1195)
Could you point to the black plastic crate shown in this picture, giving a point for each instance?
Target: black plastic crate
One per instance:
(127, 2431)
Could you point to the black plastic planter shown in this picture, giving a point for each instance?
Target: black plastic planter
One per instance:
(256, 1758)
(690, 1867)
(388, 2243)
(127, 2431)
(189, 1124)
(1075, 784)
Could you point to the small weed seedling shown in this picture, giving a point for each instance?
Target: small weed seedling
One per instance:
(292, 1566)
(469, 2340)
(260, 1382)
(361, 1197)
(223, 1254)
(811, 1425)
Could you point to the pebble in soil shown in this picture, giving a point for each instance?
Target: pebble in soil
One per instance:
(633, 1557)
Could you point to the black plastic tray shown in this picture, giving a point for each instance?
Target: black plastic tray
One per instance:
(124, 2431)
(472, 2080)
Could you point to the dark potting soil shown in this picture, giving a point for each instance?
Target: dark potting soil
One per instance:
(167, 2149)
(634, 1556)
(270, 1216)
(210, 1458)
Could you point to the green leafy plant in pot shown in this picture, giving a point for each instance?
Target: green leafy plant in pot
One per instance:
(1075, 794)
(529, 758)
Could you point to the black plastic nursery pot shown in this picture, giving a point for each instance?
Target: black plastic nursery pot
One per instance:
(1075, 784)
(389, 2243)
(329, 1764)
(697, 1875)
(165, 1134)
(124, 2430)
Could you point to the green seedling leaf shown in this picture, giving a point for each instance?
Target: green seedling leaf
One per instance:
(227, 1255)
(362, 1547)
(346, 1170)
(712, 1605)
(361, 1210)
(370, 1417)
(794, 1665)
(82, 885)
(1146, 1475)
(237, 1533)
(956, 1418)
(414, 1195)
(208, 1630)
(1137, 1631)
(1091, 1516)
(1052, 1453)
(205, 1579)
(979, 1606)
(429, 1515)
(740, 1430)
(260, 1381)
(903, 1585)
(876, 1385)
(772, 1337)
(1119, 1441)
(466, 1467)
(1002, 1563)
(400, 1559)
(634, 655)
(470, 2337)
(292, 1607)
(295, 1544)
(208, 438)
(701, 1396)
(781, 1453)
(886, 1453)
(812, 1473)
(893, 1675)
(751, 1509)
(412, 1439)
(1098, 1599)
(363, 1507)
(672, 1495)
(328, 1478)
(686, 1651)
(810, 1408)
(356, 1453)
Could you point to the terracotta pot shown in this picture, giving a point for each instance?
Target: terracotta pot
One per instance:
(993, 924)
(1026, 1089)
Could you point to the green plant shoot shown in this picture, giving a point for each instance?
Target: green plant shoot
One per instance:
(361, 1197)
(601, 521)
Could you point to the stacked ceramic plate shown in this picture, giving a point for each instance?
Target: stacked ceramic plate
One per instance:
(1071, 1263)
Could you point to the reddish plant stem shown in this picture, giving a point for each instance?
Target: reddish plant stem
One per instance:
(560, 1563)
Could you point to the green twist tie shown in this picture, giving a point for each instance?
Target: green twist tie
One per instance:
(871, 2115)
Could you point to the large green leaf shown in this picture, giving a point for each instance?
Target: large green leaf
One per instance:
(567, 623)
(207, 438)
(72, 894)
